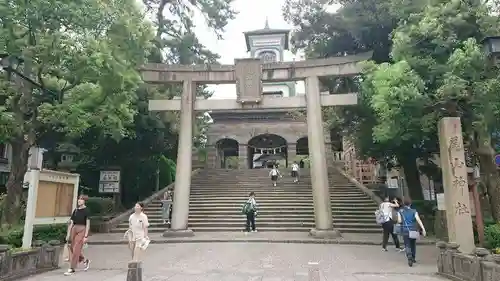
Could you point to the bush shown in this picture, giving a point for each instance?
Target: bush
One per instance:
(492, 236)
(99, 206)
(46, 233)
(486, 222)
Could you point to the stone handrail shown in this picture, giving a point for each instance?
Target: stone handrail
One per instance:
(359, 185)
(338, 156)
(107, 226)
(17, 265)
(480, 266)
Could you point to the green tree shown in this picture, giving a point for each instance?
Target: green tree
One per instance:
(358, 26)
(444, 72)
(85, 54)
(144, 155)
(176, 43)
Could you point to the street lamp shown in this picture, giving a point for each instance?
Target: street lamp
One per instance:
(10, 63)
(491, 45)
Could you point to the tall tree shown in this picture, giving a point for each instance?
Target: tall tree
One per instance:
(176, 43)
(358, 26)
(84, 55)
(441, 70)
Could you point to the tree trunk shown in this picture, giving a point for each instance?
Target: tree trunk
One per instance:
(18, 167)
(412, 175)
(486, 156)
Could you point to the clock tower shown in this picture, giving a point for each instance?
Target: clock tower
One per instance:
(270, 45)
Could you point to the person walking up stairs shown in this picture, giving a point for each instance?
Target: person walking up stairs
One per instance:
(250, 210)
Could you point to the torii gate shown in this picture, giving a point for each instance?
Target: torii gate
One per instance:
(249, 74)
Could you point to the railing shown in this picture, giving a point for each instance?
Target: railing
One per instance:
(108, 225)
(479, 266)
(338, 156)
(365, 172)
(41, 258)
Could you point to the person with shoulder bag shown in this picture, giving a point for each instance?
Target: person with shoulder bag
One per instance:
(137, 234)
(411, 226)
(78, 233)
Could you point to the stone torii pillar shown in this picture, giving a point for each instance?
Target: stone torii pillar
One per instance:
(249, 74)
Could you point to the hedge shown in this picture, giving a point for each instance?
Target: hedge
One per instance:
(46, 233)
(99, 206)
(492, 237)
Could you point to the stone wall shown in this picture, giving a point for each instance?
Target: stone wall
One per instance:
(481, 266)
(40, 259)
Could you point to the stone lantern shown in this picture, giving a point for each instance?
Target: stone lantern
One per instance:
(68, 157)
(491, 47)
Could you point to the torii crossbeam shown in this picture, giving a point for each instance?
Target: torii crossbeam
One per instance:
(249, 75)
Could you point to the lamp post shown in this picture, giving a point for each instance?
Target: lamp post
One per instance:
(491, 46)
(11, 63)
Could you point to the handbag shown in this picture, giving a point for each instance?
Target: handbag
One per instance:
(412, 234)
(144, 243)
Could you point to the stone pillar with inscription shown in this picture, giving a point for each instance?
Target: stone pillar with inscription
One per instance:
(243, 161)
(456, 193)
(180, 212)
(319, 173)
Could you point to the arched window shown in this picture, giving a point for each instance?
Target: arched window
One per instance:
(268, 56)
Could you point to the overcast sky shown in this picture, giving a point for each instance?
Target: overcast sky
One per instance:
(252, 15)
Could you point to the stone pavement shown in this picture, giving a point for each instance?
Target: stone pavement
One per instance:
(254, 262)
(259, 237)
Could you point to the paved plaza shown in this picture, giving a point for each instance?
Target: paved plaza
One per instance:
(255, 262)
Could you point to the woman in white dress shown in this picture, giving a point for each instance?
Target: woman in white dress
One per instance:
(137, 234)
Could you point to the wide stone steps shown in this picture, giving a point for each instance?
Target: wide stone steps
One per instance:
(270, 218)
(217, 196)
(261, 229)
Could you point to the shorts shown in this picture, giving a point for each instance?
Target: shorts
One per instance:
(294, 174)
(274, 178)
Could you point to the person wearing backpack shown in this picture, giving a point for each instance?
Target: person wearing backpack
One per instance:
(250, 210)
(387, 221)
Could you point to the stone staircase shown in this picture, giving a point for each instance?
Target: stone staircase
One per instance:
(217, 196)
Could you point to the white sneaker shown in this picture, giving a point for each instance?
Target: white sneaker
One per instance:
(86, 265)
(69, 272)
(254, 230)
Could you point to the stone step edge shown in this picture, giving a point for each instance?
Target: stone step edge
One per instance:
(249, 239)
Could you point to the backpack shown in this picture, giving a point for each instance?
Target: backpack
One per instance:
(247, 208)
(379, 216)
